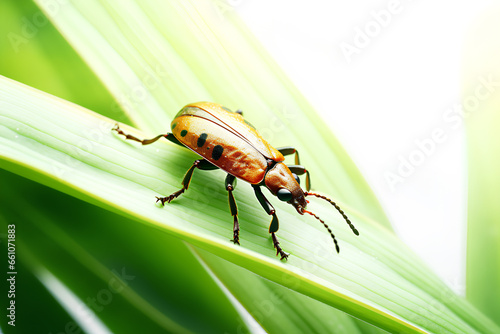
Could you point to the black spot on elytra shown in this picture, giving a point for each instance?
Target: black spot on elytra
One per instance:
(184, 133)
(202, 139)
(217, 152)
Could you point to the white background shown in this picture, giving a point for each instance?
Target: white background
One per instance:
(382, 100)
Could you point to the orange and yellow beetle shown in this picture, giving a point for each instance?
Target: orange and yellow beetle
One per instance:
(225, 140)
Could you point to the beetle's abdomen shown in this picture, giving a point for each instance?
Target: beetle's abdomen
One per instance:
(221, 147)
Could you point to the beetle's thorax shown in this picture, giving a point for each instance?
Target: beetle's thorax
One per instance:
(280, 177)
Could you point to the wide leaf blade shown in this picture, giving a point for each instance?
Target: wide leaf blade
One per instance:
(376, 278)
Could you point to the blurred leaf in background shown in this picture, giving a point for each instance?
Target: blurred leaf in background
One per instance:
(34, 53)
(481, 112)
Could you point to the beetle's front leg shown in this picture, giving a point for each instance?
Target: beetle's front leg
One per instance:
(300, 170)
(287, 150)
(274, 226)
(230, 185)
(297, 168)
(200, 164)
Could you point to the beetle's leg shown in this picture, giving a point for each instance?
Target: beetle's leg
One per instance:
(287, 150)
(200, 164)
(301, 170)
(230, 185)
(297, 168)
(274, 226)
(169, 136)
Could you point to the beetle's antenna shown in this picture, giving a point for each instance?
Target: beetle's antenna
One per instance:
(354, 230)
(327, 227)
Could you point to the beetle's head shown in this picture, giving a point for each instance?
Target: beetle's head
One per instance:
(286, 186)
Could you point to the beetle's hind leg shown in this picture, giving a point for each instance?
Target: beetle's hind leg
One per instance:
(230, 185)
(274, 226)
(168, 135)
(200, 164)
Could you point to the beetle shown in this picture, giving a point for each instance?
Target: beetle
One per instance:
(225, 140)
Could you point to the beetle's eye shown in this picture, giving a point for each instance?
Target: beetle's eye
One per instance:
(296, 178)
(284, 195)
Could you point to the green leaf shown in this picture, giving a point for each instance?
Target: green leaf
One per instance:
(76, 88)
(34, 53)
(111, 265)
(279, 309)
(188, 38)
(480, 88)
(376, 278)
(157, 56)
